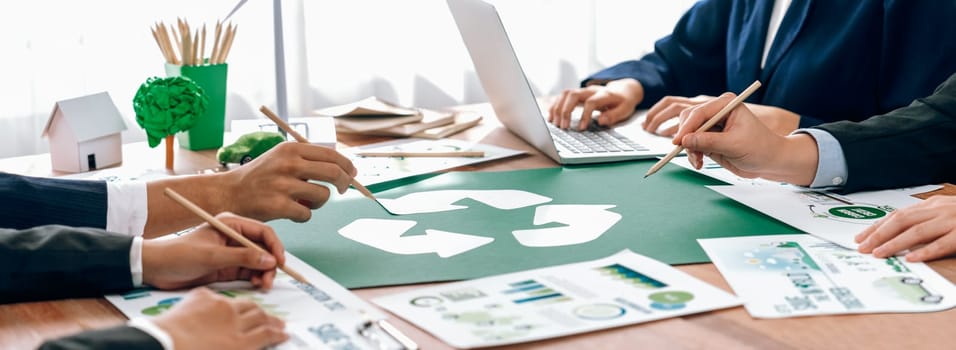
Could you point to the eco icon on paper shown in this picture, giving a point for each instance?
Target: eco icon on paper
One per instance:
(828, 206)
(583, 223)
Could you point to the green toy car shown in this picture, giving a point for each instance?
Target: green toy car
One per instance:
(248, 147)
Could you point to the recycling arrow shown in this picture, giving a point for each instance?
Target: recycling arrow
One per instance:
(438, 201)
(387, 235)
(585, 223)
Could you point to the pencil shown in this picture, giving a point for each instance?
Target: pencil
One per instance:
(195, 51)
(709, 124)
(288, 129)
(464, 154)
(215, 44)
(202, 47)
(228, 231)
(227, 44)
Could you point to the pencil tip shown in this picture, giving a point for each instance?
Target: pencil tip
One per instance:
(646, 175)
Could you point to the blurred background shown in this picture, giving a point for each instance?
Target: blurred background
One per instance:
(337, 52)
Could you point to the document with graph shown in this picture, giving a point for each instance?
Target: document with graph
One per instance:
(323, 315)
(833, 217)
(623, 289)
(801, 275)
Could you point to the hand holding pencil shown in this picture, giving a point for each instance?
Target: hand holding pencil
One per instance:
(269, 238)
(708, 120)
(746, 146)
(301, 139)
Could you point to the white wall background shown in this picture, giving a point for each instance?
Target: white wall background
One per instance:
(336, 51)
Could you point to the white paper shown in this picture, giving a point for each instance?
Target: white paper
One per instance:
(623, 289)
(836, 218)
(801, 275)
(375, 170)
(712, 169)
(322, 316)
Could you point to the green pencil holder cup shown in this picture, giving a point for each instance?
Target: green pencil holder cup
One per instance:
(208, 131)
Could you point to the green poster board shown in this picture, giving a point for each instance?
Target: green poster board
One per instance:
(661, 217)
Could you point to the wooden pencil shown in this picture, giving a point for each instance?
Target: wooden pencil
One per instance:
(195, 51)
(161, 48)
(213, 57)
(288, 129)
(179, 43)
(163, 42)
(202, 48)
(187, 48)
(709, 124)
(228, 45)
(228, 231)
(222, 43)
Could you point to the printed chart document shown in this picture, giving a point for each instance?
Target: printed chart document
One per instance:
(323, 315)
(623, 289)
(801, 275)
(836, 218)
(375, 170)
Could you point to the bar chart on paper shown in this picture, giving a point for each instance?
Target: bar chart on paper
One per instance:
(531, 291)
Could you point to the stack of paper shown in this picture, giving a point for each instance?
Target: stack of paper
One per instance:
(376, 170)
(373, 116)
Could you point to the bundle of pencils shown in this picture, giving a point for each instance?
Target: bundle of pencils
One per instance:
(190, 47)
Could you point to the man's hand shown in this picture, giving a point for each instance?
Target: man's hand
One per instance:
(779, 120)
(668, 108)
(932, 222)
(276, 185)
(615, 102)
(206, 320)
(745, 146)
(205, 256)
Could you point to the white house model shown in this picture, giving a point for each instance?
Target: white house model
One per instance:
(84, 133)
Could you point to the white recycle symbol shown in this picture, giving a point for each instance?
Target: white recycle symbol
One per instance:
(584, 222)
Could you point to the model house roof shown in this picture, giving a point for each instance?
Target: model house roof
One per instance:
(90, 116)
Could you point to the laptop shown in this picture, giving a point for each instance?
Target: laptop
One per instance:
(514, 102)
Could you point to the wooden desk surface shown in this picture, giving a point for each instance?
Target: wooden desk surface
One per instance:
(26, 325)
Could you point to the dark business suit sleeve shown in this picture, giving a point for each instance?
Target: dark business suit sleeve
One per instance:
(50, 262)
(688, 62)
(913, 145)
(33, 201)
(112, 338)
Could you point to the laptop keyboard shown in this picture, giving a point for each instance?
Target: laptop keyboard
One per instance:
(594, 141)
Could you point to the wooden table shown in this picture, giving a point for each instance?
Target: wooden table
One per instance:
(26, 325)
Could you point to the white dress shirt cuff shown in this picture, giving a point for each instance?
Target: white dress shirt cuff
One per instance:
(831, 164)
(136, 261)
(153, 330)
(126, 206)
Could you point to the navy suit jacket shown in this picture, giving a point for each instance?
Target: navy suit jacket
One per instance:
(50, 262)
(830, 60)
(910, 146)
(33, 201)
